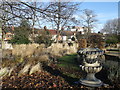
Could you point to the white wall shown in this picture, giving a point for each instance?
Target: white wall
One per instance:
(64, 38)
(7, 46)
(73, 30)
(54, 37)
(80, 29)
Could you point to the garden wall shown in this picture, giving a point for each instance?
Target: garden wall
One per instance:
(58, 49)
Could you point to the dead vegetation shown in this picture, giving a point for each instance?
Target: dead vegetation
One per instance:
(33, 54)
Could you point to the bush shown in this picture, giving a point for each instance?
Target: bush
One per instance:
(95, 38)
(111, 39)
(73, 38)
(43, 39)
(21, 33)
(113, 70)
(19, 40)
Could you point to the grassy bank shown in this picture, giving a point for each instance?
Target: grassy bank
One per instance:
(70, 66)
(69, 61)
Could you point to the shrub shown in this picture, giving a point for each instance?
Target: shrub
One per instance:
(113, 70)
(24, 50)
(21, 33)
(111, 39)
(95, 40)
(43, 39)
(73, 38)
(20, 40)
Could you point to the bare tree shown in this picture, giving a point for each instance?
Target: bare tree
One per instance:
(20, 10)
(61, 13)
(58, 13)
(13, 11)
(89, 19)
(112, 27)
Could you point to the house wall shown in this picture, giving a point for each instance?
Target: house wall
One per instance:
(8, 36)
(6, 45)
(79, 30)
(118, 45)
(0, 33)
(54, 37)
(64, 38)
(82, 30)
(0, 36)
(73, 30)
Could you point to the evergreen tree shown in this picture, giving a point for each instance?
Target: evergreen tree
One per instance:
(21, 33)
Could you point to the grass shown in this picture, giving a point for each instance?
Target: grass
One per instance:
(69, 61)
(70, 65)
(70, 75)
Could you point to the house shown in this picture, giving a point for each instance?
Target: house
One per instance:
(53, 33)
(62, 36)
(0, 33)
(7, 33)
(77, 29)
(8, 36)
(67, 35)
(56, 35)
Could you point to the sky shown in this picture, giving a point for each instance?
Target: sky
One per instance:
(67, 0)
(104, 10)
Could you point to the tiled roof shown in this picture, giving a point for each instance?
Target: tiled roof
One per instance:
(67, 33)
(9, 33)
(52, 32)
